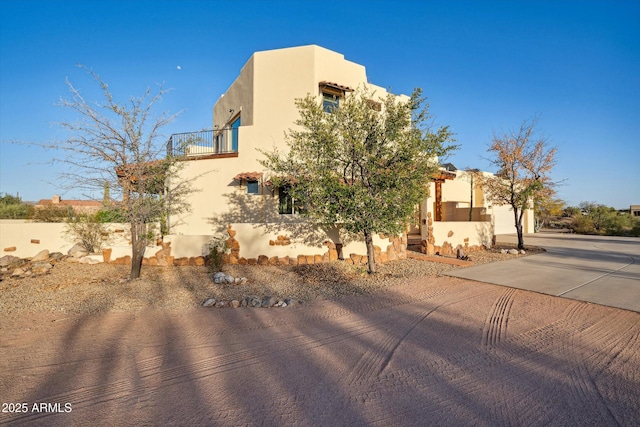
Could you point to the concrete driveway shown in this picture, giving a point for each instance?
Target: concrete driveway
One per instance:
(599, 269)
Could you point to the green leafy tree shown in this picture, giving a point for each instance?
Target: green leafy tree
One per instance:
(364, 166)
(524, 162)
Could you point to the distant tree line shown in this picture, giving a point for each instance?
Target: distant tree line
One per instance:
(586, 218)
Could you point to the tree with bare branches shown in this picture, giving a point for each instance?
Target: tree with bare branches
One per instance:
(119, 146)
(524, 161)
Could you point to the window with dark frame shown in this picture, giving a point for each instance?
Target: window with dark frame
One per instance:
(330, 102)
(285, 202)
(253, 187)
(287, 205)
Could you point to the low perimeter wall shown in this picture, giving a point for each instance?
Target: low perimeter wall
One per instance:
(247, 244)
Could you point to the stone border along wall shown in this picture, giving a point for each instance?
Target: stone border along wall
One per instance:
(397, 249)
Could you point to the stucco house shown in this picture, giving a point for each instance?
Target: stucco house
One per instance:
(235, 199)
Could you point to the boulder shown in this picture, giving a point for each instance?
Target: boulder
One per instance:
(56, 256)
(41, 268)
(9, 260)
(17, 272)
(78, 251)
(43, 255)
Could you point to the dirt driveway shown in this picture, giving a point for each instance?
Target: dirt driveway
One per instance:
(441, 351)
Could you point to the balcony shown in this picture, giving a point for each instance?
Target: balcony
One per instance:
(204, 144)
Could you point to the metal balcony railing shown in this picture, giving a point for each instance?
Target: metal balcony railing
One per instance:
(204, 142)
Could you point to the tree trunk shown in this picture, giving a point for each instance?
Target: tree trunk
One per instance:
(138, 245)
(368, 239)
(471, 202)
(518, 218)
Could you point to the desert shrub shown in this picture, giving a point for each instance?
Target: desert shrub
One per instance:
(217, 251)
(583, 224)
(53, 214)
(88, 231)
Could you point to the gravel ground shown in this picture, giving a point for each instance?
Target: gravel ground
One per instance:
(94, 289)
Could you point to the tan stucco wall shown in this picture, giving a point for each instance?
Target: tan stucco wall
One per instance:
(478, 233)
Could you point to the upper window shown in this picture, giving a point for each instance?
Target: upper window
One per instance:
(331, 94)
(330, 102)
(234, 134)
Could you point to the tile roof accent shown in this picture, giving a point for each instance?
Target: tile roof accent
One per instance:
(248, 176)
(335, 86)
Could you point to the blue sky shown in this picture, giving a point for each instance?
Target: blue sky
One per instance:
(484, 65)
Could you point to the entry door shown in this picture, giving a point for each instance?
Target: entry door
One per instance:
(414, 226)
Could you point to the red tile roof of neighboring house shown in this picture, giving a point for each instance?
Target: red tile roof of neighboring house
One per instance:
(48, 202)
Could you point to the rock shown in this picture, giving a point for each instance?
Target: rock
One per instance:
(290, 302)
(240, 280)
(503, 251)
(254, 302)
(234, 303)
(229, 279)
(209, 302)
(17, 272)
(220, 304)
(268, 301)
(43, 255)
(219, 277)
(41, 268)
(513, 252)
(522, 252)
(9, 260)
(77, 251)
(56, 256)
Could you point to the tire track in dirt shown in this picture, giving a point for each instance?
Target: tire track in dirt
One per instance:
(495, 326)
(592, 361)
(373, 362)
(151, 372)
